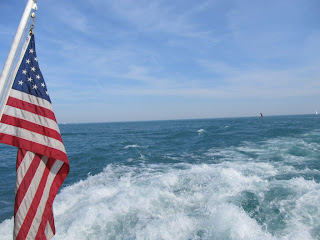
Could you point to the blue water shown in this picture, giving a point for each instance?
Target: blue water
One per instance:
(235, 178)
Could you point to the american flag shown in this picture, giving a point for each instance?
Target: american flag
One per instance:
(28, 122)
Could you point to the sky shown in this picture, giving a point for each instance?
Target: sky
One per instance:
(106, 60)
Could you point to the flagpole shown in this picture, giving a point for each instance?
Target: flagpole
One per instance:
(32, 4)
(5, 99)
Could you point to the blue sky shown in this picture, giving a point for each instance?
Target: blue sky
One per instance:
(152, 60)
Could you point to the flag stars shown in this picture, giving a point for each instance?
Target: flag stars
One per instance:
(29, 79)
(36, 59)
(43, 85)
(20, 82)
(28, 61)
(47, 93)
(35, 87)
(38, 77)
(31, 51)
(33, 69)
(24, 72)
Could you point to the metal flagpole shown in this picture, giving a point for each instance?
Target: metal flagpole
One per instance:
(5, 74)
(5, 99)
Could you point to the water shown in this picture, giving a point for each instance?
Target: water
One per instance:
(236, 178)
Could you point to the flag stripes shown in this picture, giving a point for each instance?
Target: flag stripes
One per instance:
(30, 99)
(28, 122)
(44, 200)
(32, 146)
(34, 193)
(26, 201)
(23, 164)
(23, 134)
(48, 230)
(31, 108)
(38, 104)
(31, 117)
(6, 119)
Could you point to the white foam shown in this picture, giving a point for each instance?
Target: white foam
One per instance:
(201, 131)
(132, 146)
(6, 229)
(250, 149)
(185, 201)
(230, 222)
(121, 204)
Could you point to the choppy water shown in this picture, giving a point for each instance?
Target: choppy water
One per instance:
(241, 178)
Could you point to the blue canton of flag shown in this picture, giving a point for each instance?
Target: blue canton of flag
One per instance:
(29, 78)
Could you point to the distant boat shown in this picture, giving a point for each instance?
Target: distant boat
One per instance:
(261, 115)
(316, 112)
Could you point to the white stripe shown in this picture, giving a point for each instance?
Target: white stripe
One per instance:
(23, 168)
(31, 117)
(31, 99)
(32, 136)
(48, 231)
(38, 217)
(28, 198)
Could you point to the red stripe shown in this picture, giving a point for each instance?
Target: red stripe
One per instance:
(17, 103)
(34, 205)
(20, 155)
(46, 219)
(21, 123)
(27, 179)
(33, 147)
(51, 221)
(56, 184)
(47, 214)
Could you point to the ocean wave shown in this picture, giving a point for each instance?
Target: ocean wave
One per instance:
(229, 200)
(227, 185)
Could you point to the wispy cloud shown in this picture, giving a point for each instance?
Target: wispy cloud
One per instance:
(161, 17)
(74, 18)
(254, 81)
